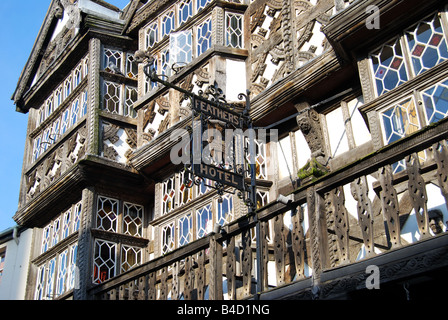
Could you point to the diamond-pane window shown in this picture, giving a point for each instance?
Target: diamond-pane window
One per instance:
(427, 44)
(204, 221)
(204, 36)
(181, 48)
(185, 11)
(234, 30)
(389, 68)
(107, 212)
(165, 62)
(112, 97)
(186, 190)
(435, 100)
(131, 98)
(51, 271)
(62, 273)
(200, 4)
(68, 87)
(133, 220)
(66, 224)
(104, 261)
(203, 187)
(400, 120)
(168, 238)
(262, 198)
(131, 66)
(75, 112)
(72, 267)
(185, 229)
(112, 60)
(167, 23)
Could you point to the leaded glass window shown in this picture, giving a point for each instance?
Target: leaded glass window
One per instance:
(46, 238)
(181, 47)
(66, 224)
(112, 97)
(40, 283)
(112, 60)
(130, 98)
(262, 198)
(133, 220)
(77, 76)
(186, 191)
(185, 229)
(204, 221)
(65, 121)
(168, 194)
(225, 209)
(84, 103)
(389, 67)
(62, 273)
(58, 98)
(72, 267)
(427, 44)
(68, 87)
(50, 279)
(203, 187)
(104, 261)
(204, 36)
(435, 101)
(400, 120)
(131, 257)
(234, 30)
(75, 112)
(77, 216)
(131, 66)
(165, 61)
(107, 212)
(56, 228)
(200, 4)
(152, 35)
(49, 107)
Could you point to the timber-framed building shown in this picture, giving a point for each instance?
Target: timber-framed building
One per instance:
(358, 94)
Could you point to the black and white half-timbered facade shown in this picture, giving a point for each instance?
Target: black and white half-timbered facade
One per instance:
(345, 190)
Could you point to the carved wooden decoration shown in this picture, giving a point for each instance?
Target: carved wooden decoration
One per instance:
(246, 262)
(231, 268)
(188, 279)
(201, 275)
(441, 158)
(215, 283)
(152, 293)
(390, 205)
(359, 189)
(298, 242)
(417, 192)
(264, 230)
(279, 249)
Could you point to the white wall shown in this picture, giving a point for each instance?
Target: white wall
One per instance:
(15, 272)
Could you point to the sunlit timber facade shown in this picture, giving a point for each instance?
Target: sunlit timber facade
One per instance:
(350, 196)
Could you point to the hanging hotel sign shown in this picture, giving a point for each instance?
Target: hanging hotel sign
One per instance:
(219, 175)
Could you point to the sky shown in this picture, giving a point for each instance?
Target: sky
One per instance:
(20, 23)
